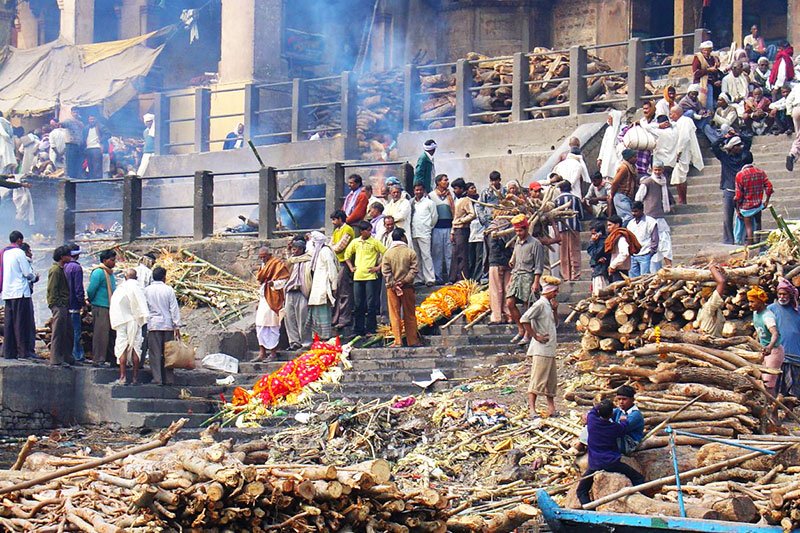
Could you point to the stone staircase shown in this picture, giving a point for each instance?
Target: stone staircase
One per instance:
(382, 372)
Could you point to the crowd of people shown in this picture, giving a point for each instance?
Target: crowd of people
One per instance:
(131, 320)
(74, 149)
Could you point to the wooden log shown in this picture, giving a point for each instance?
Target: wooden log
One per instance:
(743, 275)
(735, 509)
(507, 521)
(26, 450)
(709, 394)
(379, 469)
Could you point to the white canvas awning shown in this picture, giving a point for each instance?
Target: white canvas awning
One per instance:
(102, 74)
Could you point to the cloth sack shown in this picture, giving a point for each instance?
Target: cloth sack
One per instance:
(638, 138)
(178, 354)
(222, 362)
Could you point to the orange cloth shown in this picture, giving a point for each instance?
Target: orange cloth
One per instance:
(633, 243)
(273, 270)
(359, 210)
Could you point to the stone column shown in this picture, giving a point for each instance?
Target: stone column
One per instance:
(738, 12)
(684, 23)
(135, 18)
(77, 21)
(793, 22)
(251, 41)
(28, 36)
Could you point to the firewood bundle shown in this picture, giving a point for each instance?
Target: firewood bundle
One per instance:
(202, 485)
(541, 212)
(618, 316)
(380, 114)
(439, 103)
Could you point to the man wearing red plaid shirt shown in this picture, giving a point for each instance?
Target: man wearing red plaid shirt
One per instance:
(752, 185)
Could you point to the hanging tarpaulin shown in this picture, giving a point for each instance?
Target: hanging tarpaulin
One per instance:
(189, 19)
(34, 80)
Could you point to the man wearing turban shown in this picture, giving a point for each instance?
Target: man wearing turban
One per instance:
(769, 337)
(787, 317)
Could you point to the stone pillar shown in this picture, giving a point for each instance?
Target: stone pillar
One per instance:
(251, 41)
(684, 23)
(136, 18)
(793, 22)
(738, 12)
(203, 223)
(6, 16)
(77, 21)
(28, 35)
(131, 208)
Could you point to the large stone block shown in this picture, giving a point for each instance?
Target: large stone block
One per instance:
(35, 392)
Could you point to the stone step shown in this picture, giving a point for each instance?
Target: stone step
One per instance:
(160, 405)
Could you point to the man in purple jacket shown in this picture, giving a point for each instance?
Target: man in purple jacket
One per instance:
(77, 299)
(603, 448)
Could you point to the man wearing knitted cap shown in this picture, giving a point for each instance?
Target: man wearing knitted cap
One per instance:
(541, 319)
(527, 266)
(769, 338)
(787, 317)
(425, 169)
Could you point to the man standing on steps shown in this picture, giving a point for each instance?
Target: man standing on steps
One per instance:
(753, 191)
(343, 234)
(654, 196)
(163, 324)
(363, 259)
(424, 217)
(77, 299)
(102, 285)
(527, 266)
(425, 169)
(399, 268)
(58, 302)
(272, 276)
(127, 314)
(541, 318)
(733, 153)
(624, 186)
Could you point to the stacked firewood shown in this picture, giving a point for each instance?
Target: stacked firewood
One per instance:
(618, 316)
(204, 485)
(380, 114)
(440, 100)
(687, 380)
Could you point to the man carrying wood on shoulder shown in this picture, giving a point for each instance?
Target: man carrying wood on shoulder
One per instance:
(769, 338)
(710, 319)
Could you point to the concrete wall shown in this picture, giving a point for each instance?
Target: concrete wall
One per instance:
(516, 150)
(34, 397)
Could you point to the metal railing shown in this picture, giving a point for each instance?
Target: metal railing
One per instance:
(436, 96)
(204, 203)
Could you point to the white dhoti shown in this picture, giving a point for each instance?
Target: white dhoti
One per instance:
(129, 339)
(681, 171)
(143, 165)
(664, 242)
(268, 324)
(268, 336)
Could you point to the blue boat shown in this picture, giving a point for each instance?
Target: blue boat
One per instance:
(572, 521)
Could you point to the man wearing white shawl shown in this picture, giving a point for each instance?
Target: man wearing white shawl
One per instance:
(737, 86)
(128, 312)
(687, 149)
(608, 159)
(573, 169)
(653, 193)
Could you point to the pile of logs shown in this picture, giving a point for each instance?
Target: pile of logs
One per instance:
(618, 316)
(438, 105)
(204, 485)
(380, 114)
(686, 379)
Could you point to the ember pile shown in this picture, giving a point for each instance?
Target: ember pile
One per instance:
(201, 484)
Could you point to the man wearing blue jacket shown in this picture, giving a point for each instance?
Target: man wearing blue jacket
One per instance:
(603, 447)
(627, 410)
